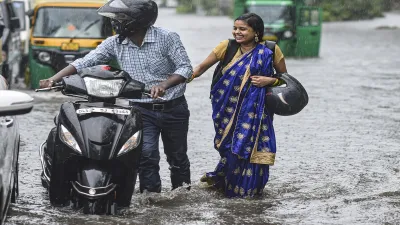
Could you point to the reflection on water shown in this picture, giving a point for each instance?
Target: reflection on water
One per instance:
(337, 161)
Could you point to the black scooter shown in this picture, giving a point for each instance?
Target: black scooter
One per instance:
(90, 159)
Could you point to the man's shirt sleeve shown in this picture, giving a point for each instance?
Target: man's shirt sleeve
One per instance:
(101, 55)
(178, 55)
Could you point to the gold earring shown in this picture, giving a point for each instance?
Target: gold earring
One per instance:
(256, 38)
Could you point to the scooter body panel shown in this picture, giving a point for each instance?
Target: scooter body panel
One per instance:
(92, 156)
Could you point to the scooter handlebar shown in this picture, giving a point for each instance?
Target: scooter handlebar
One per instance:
(56, 87)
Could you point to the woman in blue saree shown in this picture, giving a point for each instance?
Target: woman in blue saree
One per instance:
(245, 137)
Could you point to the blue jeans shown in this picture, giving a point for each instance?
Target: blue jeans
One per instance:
(173, 125)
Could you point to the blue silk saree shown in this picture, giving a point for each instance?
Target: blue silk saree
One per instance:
(245, 135)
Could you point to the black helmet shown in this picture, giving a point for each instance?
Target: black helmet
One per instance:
(130, 15)
(286, 100)
(143, 13)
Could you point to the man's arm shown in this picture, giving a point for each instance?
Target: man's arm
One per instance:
(177, 54)
(101, 55)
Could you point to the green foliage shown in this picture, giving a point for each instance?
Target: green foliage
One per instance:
(350, 10)
(391, 5)
(333, 10)
(210, 6)
(186, 6)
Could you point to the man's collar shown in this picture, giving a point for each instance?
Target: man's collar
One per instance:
(125, 41)
(150, 36)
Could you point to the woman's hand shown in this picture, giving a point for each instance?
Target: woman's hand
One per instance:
(262, 81)
(191, 78)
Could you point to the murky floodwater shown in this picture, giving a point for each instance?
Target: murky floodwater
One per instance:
(337, 161)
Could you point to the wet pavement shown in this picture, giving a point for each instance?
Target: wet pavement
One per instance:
(337, 161)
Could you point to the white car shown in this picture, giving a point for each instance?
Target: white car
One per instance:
(12, 103)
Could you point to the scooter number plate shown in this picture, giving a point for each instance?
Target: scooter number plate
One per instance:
(103, 110)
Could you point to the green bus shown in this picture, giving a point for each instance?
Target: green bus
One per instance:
(295, 26)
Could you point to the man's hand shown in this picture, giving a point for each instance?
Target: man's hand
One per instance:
(46, 83)
(67, 71)
(157, 91)
(262, 81)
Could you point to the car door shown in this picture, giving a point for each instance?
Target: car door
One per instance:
(12, 103)
(9, 138)
(8, 141)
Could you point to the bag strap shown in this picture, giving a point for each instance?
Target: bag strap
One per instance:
(231, 50)
(271, 46)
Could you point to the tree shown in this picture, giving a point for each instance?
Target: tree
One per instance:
(350, 10)
(186, 6)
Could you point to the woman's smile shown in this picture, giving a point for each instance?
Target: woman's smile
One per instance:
(242, 32)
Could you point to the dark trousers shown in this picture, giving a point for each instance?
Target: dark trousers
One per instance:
(172, 124)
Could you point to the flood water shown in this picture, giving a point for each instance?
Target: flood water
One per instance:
(337, 161)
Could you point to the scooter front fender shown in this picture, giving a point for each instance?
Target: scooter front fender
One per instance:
(94, 181)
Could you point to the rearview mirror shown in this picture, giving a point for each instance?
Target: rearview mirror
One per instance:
(14, 103)
(29, 13)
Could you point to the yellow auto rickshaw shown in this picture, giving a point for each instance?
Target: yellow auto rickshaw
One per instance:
(62, 31)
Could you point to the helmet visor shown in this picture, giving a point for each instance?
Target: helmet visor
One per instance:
(114, 9)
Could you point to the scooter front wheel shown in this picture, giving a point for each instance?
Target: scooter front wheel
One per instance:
(100, 206)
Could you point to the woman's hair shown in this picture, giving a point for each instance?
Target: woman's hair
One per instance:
(255, 22)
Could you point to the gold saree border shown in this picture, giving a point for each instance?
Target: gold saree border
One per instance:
(266, 158)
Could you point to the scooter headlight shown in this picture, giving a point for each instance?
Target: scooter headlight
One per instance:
(68, 139)
(103, 88)
(131, 143)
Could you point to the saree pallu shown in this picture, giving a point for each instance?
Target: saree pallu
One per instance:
(245, 135)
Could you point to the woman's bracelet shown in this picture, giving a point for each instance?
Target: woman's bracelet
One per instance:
(276, 82)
